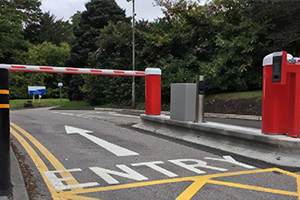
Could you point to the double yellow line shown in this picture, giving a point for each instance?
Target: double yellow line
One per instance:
(4, 92)
(41, 166)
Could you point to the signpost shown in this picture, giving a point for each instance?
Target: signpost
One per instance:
(39, 90)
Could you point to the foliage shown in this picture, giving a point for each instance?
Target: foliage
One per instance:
(49, 29)
(42, 54)
(76, 83)
(114, 52)
(14, 15)
(97, 15)
(232, 67)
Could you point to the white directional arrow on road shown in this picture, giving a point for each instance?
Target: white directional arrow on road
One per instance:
(115, 149)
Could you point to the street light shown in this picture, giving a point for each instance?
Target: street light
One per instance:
(133, 51)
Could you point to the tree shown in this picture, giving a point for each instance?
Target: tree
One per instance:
(231, 66)
(280, 17)
(42, 54)
(97, 15)
(114, 52)
(177, 43)
(49, 29)
(220, 40)
(14, 16)
(76, 20)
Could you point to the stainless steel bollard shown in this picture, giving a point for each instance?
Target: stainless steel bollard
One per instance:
(200, 89)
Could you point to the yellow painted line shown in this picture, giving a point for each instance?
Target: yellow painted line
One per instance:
(287, 173)
(134, 185)
(184, 179)
(175, 180)
(192, 189)
(241, 173)
(298, 187)
(74, 197)
(4, 105)
(4, 91)
(249, 187)
(42, 167)
(56, 164)
(35, 158)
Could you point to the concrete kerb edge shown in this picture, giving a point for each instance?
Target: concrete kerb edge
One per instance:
(273, 154)
(277, 141)
(212, 115)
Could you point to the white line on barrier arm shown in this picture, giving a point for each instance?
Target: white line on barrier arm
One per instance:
(70, 70)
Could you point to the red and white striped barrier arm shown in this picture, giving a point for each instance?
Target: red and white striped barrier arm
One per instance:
(297, 60)
(70, 70)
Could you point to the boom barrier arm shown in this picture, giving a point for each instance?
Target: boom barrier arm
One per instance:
(153, 80)
(70, 70)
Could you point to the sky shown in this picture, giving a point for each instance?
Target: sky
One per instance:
(144, 9)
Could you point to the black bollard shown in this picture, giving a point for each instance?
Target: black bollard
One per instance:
(5, 182)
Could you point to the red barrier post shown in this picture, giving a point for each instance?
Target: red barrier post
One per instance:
(281, 95)
(153, 91)
(275, 99)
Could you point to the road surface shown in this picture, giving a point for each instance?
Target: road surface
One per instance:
(98, 155)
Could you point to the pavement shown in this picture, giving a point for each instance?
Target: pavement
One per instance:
(19, 191)
(245, 141)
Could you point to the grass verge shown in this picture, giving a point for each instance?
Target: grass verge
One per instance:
(75, 105)
(236, 95)
(21, 103)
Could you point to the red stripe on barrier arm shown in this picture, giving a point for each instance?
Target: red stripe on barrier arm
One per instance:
(18, 67)
(141, 73)
(47, 68)
(71, 69)
(119, 72)
(96, 70)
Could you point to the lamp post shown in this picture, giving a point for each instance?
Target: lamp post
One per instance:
(133, 51)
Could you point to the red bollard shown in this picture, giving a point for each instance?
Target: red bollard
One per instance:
(153, 91)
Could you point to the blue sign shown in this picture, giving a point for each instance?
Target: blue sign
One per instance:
(32, 90)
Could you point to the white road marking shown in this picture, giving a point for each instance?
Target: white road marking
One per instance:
(195, 163)
(229, 159)
(153, 165)
(109, 175)
(57, 183)
(95, 116)
(129, 173)
(70, 114)
(122, 115)
(115, 149)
